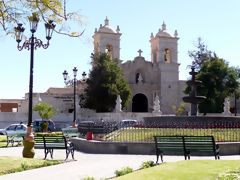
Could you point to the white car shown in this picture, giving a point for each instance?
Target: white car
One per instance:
(14, 128)
(127, 123)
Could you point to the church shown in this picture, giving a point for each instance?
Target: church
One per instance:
(147, 78)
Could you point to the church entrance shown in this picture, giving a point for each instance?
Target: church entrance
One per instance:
(139, 103)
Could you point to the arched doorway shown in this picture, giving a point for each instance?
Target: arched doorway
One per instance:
(139, 103)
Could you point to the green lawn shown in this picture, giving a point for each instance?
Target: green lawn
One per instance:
(16, 164)
(3, 141)
(187, 170)
(146, 134)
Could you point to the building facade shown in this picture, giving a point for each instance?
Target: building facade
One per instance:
(147, 79)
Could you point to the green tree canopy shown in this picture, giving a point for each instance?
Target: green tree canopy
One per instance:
(45, 110)
(18, 11)
(105, 82)
(219, 80)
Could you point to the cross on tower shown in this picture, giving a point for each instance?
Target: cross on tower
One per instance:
(140, 52)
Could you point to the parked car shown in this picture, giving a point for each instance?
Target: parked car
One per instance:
(37, 122)
(126, 123)
(21, 128)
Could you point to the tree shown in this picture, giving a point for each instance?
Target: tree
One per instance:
(218, 82)
(45, 110)
(105, 82)
(17, 11)
(200, 55)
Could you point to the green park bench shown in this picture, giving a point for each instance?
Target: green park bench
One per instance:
(166, 144)
(49, 143)
(15, 137)
(186, 145)
(201, 144)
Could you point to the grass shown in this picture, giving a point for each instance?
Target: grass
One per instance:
(188, 170)
(16, 164)
(3, 141)
(146, 134)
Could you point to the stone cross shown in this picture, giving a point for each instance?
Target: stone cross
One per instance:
(140, 52)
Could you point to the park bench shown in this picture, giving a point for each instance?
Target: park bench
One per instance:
(15, 137)
(186, 145)
(49, 143)
(201, 144)
(166, 144)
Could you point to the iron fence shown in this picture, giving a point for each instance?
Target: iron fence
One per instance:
(142, 132)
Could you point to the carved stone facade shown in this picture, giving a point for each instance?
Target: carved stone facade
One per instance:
(160, 76)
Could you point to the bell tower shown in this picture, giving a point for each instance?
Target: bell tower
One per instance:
(106, 39)
(164, 46)
(164, 55)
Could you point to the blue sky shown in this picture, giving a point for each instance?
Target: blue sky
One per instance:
(217, 22)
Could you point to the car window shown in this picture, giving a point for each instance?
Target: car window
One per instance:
(12, 127)
(19, 127)
(23, 128)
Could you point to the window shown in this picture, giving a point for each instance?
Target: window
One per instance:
(109, 50)
(12, 127)
(167, 56)
(137, 77)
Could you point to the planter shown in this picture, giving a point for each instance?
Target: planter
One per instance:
(28, 150)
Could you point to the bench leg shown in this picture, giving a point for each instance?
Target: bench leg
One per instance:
(72, 153)
(217, 157)
(46, 151)
(51, 153)
(162, 157)
(157, 158)
(7, 143)
(67, 153)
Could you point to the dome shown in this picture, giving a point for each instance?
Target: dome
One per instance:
(163, 33)
(107, 29)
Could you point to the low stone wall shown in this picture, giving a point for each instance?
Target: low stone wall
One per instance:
(148, 148)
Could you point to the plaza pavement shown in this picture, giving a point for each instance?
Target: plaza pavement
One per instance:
(85, 165)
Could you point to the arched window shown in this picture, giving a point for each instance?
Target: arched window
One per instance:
(137, 77)
(167, 55)
(109, 50)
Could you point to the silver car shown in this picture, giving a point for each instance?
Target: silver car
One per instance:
(14, 128)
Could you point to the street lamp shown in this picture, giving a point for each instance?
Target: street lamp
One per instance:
(84, 75)
(31, 44)
(73, 81)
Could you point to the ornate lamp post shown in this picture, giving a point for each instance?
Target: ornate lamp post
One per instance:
(31, 44)
(84, 75)
(72, 82)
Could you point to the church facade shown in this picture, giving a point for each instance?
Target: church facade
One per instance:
(147, 78)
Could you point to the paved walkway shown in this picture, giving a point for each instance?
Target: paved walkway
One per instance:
(85, 165)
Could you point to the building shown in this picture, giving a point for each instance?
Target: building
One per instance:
(147, 79)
